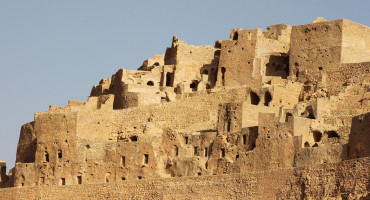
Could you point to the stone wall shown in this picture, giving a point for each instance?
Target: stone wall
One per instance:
(269, 100)
(316, 47)
(345, 180)
(89, 143)
(355, 43)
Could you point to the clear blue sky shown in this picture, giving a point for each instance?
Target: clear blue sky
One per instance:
(52, 51)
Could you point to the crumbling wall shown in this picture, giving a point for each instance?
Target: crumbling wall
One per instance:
(55, 149)
(348, 179)
(187, 113)
(3, 176)
(237, 57)
(26, 149)
(274, 145)
(315, 47)
(149, 64)
(190, 62)
(345, 75)
(182, 114)
(359, 138)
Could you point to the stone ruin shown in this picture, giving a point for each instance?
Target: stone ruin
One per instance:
(289, 98)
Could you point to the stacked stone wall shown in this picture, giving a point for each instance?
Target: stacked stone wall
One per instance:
(348, 180)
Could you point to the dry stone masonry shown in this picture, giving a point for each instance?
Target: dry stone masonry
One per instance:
(282, 113)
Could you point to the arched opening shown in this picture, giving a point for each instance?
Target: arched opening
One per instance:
(268, 98)
(169, 79)
(156, 64)
(306, 144)
(317, 136)
(332, 134)
(223, 70)
(254, 98)
(150, 83)
(205, 72)
(236, 35)
(194, 85)
(287, 116)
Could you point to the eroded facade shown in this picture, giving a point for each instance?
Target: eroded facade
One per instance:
(291, 96)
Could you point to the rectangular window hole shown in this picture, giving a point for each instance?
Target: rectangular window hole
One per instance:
(46, 157)
(123, 161)
(79, 179)
(146, 158)
(176, 151)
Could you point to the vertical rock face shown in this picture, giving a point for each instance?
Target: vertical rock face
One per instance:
(292, 96)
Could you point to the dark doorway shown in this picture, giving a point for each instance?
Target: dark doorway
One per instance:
(150, 83)
(268, 98)
(169, 79)
(223, 71)
(254, 98)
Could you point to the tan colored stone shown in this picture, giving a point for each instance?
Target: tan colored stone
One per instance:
(290, 103)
